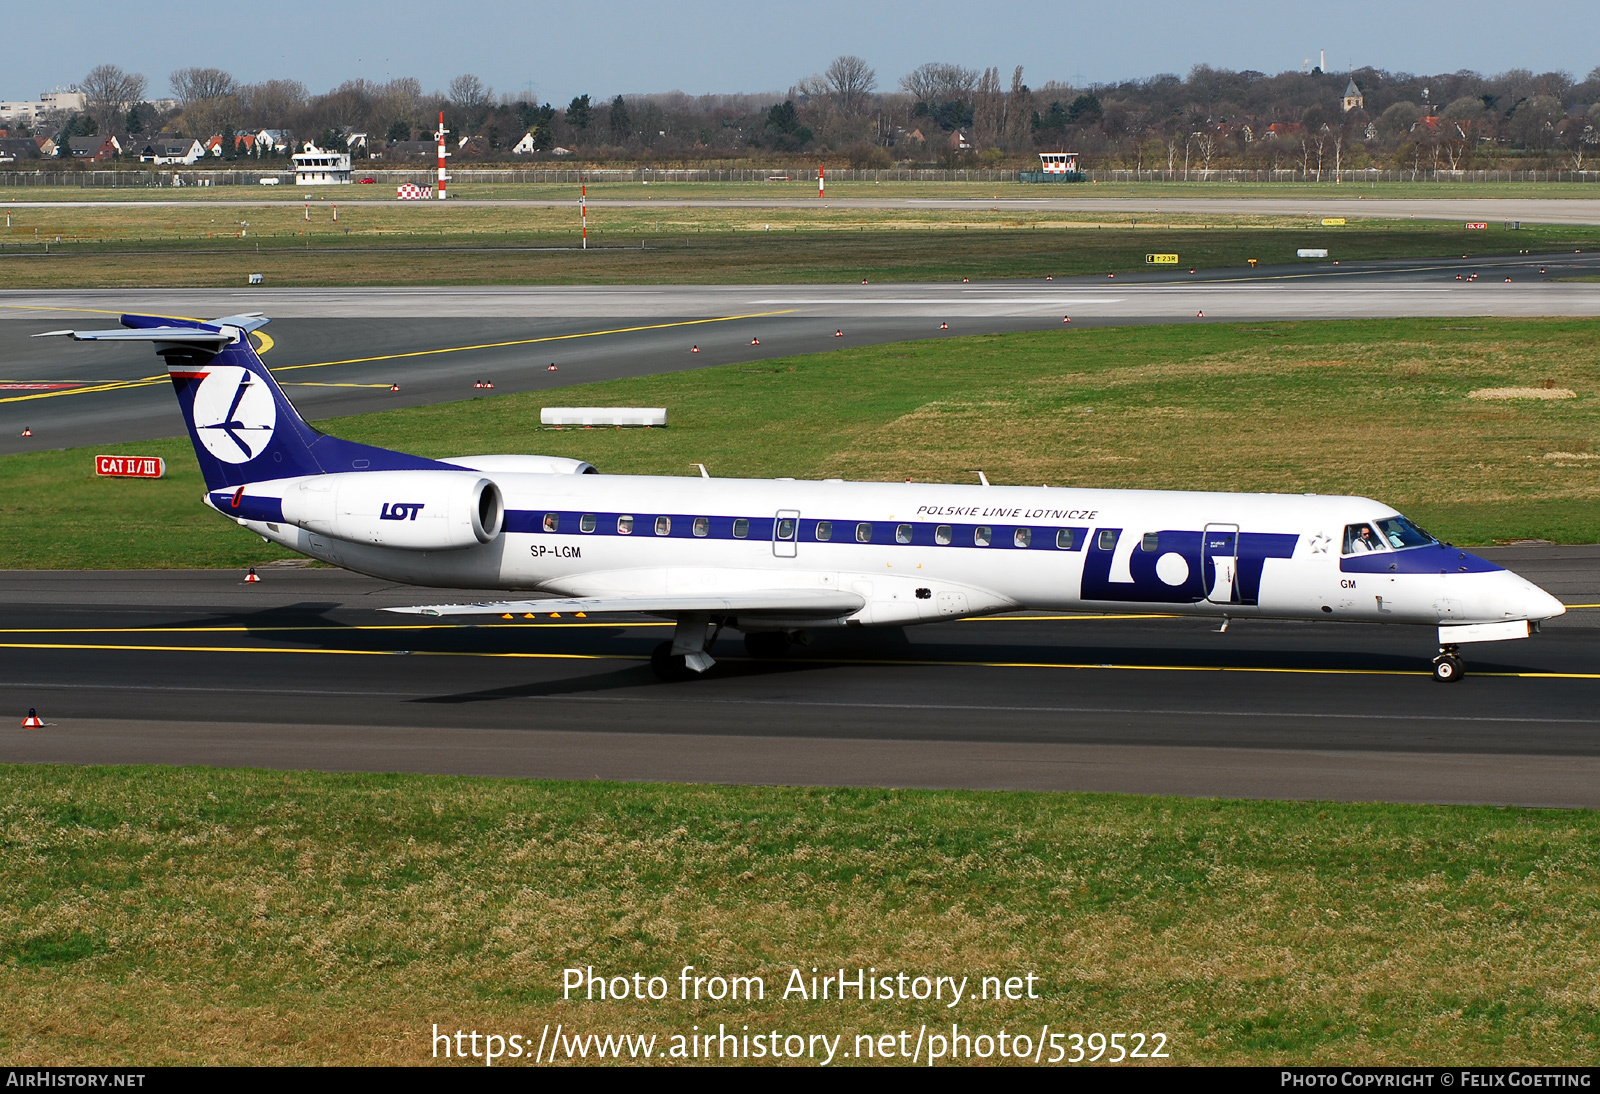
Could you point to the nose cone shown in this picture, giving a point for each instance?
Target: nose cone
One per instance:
(1538, 604)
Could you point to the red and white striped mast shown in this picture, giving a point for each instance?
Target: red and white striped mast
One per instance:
(822, 180)
(443, 178)
(583, 210)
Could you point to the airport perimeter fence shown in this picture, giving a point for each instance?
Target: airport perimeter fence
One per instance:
(419, 175)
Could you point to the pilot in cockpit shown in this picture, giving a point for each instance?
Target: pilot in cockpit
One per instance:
(1360, 540)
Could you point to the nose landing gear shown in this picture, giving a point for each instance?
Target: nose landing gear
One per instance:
(1447, 667)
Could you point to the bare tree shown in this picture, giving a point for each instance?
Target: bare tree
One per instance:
(469, 93)
(988, 109)
(109, 93)
(1019, 112)
(272, 103)
(939, 82)
(196, 85)
(1206, 142)
(851, 80)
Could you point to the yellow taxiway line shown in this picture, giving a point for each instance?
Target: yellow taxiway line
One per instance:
(847, 662)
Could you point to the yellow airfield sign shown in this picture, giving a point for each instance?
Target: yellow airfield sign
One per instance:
(1332, 222)
(1162, 260)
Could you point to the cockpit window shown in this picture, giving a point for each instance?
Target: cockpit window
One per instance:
(1400, 533)
(1360, 539)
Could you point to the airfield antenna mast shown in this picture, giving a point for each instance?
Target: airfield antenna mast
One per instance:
(443, 178)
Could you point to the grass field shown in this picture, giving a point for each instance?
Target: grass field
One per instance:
(1372, 407)
(162, 916)
(196, 243)
(799, 188)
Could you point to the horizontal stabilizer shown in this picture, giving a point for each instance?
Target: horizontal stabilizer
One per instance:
(818, 602)
(189, 336)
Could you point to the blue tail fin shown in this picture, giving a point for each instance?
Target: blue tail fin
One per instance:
(243, 426)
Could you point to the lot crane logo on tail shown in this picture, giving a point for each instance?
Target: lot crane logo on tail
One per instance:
(234, 414)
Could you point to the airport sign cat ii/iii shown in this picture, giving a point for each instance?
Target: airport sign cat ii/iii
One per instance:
(775, 558)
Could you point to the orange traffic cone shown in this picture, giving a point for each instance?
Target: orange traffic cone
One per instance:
(32, 721)
(252, 578)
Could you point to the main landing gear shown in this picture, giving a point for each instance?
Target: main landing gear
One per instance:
(1447, 667)
(686, 656)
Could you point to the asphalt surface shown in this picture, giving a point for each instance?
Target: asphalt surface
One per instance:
(339, 350)
(303, 671)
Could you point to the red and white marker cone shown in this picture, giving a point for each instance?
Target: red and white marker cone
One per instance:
(26, 432)
(694, 349)
(944, 326)
(863, 281)
(963, 281)
(1199, 315)
(32, 721)
(1049, 277)
(1111, 275)
(489, 384)
(1066, 318)
(252, 578)
(551, 367)
(840, 333)
(755, 341)
(394, 387)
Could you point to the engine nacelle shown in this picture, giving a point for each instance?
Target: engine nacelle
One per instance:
(526, 465)
(410, 510)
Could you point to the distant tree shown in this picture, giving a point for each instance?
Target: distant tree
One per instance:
(333, 141)
(110, 94)
(194, 85)
(1085, 110)
(783, 130)
(621, 122)
(578, 112)
(938, 82)
(399, 130)
(851, 79)
(468, 93)
(136, 118)
(230, 141)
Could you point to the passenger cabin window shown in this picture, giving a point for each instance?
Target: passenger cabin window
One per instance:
(1401, 533)
(663, 526)
(1064, 538)
(1022, 537)
(942, 535)
(702, 526)
(902, 533)
(785, 529)
(1360, 539)
(586, 522)
(1151, 543)
(824, 531)
(624, 526)
(864, 532)
(1108, 538)
(741, 528)
(552, 521)
(982, 537)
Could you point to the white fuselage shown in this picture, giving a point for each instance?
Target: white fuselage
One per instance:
(921, 552)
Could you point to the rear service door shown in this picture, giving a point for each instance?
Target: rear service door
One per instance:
(786, 533)
(1219, 562)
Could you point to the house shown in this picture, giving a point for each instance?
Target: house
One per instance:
(1353, 99)
(95, 149)
(162, 150)
(524, 147)
(400, 150)
(45, 145)
(960, 141)
(1280, 129)
(477, 146)
(274, 140)
(13, 149)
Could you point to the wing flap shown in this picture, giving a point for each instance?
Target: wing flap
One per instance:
(818, 602)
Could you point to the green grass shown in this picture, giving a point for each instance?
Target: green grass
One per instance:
(199, 244)
(165, 916)
(1377, 407)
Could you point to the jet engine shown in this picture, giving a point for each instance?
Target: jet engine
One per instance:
(409, 510)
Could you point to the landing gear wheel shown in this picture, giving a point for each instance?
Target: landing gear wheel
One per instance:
(766, 645)
(1447, 668)
(668, 666)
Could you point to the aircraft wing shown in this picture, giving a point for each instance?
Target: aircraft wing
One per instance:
(821, 603)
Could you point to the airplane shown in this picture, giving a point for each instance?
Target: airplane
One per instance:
(775, 559)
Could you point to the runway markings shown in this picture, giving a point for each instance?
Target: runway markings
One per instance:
(879, 662)
(534, 341)
(118, 385)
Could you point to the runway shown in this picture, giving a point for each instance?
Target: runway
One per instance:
(303, 671)
(339, 350)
